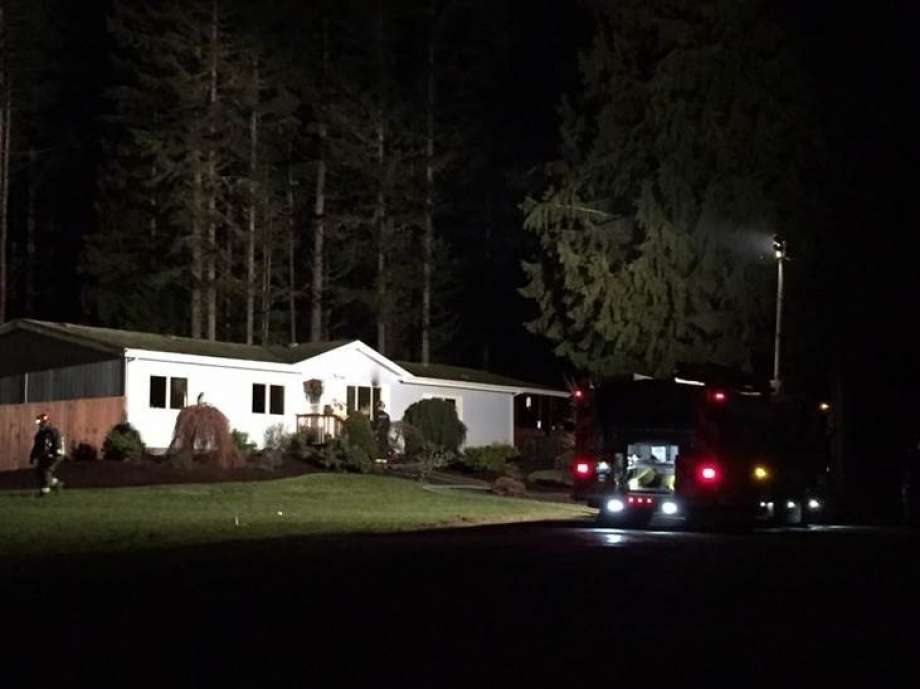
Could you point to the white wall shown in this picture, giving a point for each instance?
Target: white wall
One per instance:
(340, 368)
(226, 384)
(488, 416)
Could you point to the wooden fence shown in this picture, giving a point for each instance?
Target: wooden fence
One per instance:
(79, 421)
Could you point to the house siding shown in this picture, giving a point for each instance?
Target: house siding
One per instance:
(87, 381)
(337, 370)
(225, 383)
(488, 416)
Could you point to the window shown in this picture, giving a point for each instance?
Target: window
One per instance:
(363, 399)
(158, 392)
(276, 400)
(258, 398)
(178, 393)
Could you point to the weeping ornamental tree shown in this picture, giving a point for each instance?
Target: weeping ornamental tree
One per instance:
(690, 134)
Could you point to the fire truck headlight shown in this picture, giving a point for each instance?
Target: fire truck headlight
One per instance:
(615, 505)
(603, 467)
(669, 507)
(814, 504)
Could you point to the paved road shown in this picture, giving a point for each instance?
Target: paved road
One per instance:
(549, 603)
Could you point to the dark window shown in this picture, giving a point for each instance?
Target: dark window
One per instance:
(276, 399)
(158, 392)
(178, 393)
(258, 398)
(362, 399)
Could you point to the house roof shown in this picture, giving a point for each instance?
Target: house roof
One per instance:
(469, 375)
(115, 341)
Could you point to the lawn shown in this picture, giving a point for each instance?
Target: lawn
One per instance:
(131, 519)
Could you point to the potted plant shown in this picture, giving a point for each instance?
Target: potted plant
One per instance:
(314, 390)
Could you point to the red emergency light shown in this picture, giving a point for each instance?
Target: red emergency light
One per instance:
(718, 396)
(584, 469)
(578, 394)
(708, 473)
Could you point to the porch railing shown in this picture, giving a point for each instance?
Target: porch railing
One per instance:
(319, 429)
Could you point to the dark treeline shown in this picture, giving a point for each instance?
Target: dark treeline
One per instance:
(269, 172)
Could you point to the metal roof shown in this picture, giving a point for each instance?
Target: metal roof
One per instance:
(116, 341)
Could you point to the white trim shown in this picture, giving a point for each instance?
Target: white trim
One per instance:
(360, 347)
(212, 361)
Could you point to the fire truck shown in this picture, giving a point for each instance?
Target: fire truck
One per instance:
(698, 450)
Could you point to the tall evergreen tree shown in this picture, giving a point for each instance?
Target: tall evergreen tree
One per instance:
(692, 129)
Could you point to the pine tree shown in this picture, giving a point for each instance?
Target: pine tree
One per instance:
(686, 134)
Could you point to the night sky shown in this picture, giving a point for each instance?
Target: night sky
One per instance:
(863, 64)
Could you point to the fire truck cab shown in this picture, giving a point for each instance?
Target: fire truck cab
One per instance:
(698, 451)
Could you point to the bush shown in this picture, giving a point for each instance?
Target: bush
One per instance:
(242, 443)
(183, 461)
(436, 424)
(123, 443)
(275, 438)
(488, 458)
(268, 459)
(509, 487)
(203, 430)
(84, 452)
(355, 449)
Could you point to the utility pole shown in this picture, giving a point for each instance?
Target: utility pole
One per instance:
(779, 252)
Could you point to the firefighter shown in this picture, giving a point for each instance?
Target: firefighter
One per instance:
(381, 427)
(47, 453)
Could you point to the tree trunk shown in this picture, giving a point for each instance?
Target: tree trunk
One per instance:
(381, 210)
(267, 245)
(318, 269)
(228, 294)
(5, 129)
(292, 276)
(212, 178)
(31, 211)
(253, 201)
(197, 259)
(429, 198)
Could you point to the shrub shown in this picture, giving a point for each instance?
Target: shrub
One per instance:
(509, 487)
(355, 449)
(275, 438)
(182, 460)
(488, 458)
(123, 443)
(268, 459)
(203, 430)
(436, 424)
(242, 443)
(84, 452)
(429, 456)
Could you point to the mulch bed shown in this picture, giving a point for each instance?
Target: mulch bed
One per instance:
(102, 474)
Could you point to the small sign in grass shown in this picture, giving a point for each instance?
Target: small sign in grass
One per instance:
(126, 519)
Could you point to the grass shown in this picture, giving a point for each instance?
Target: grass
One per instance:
(132, 519)
(551, 477)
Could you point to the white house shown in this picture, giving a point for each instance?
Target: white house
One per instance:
(85, 376)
